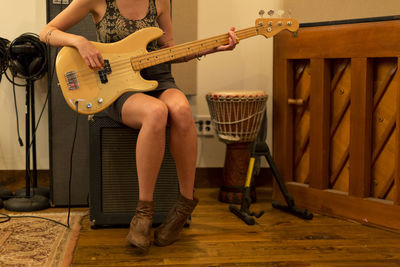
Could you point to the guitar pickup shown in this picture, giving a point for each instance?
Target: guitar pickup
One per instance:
(103, 76)
(106, 70)
(72, 80)
(107, 66)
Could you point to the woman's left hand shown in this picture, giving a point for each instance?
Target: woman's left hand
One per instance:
(233, 41)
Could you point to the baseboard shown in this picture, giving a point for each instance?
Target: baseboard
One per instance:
(205, 178)
(15, 179)
(212, 177)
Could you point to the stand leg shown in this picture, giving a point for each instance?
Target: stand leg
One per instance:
(258, 149)
(33, 121)
(27, 139)
(244, 211)
(266, 152)
(291, 208)
(5, 193)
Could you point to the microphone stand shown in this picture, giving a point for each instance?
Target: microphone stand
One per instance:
(29, 199)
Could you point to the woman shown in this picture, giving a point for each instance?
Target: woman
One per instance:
(151, 111)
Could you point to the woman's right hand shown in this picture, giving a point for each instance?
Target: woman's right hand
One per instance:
(89, 53)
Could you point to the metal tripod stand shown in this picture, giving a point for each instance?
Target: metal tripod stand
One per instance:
(259, 148)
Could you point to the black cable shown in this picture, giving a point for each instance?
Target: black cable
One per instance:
(71, 162)
(3, 56)
(16, 115)
(5, 218)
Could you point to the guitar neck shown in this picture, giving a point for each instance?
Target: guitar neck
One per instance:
(186, 49)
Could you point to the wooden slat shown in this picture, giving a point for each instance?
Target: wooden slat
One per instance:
(283, 118)
(332, 202)
(360, 129)
(319, 128)
(397, 152)
(283, 121)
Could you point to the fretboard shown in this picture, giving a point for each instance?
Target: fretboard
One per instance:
(187, 49)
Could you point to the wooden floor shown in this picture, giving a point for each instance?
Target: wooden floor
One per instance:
(216, 237)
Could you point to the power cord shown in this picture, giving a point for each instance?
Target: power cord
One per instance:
(5, 218)
(16, 115)
(3, 56)
(71, 162)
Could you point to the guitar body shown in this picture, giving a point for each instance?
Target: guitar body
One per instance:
(95, 92)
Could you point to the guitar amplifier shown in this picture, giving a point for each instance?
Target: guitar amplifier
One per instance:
(113, 186)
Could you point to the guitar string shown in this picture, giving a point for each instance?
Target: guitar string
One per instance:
(162, 55)
(164, 52)
(161, 52)
(180, 51)
(122, 68)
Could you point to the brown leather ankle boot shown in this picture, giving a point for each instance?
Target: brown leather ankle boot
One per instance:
(168, 231)
(140, 228)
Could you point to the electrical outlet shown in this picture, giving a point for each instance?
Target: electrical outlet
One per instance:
(204, 125)
(59, 2)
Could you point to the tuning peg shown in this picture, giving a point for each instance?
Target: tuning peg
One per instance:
(261, 13)
(280, 13)
(271, 13)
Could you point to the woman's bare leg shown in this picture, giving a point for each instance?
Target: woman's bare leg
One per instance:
(150, 115)
(183, 138)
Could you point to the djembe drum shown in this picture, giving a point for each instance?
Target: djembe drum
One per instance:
(237, 118)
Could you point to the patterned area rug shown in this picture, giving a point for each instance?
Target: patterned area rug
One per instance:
(37, 242)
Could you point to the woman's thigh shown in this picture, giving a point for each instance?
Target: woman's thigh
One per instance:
(140, 107)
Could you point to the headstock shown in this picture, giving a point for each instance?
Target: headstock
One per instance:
(272, 26)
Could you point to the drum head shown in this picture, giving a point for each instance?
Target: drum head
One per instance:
(236, 94)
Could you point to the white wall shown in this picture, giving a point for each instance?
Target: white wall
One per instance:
(18, 17)
(247, 68)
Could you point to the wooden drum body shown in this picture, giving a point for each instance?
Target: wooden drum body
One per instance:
(237, 118)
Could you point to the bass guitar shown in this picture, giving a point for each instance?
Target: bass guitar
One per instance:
(89, 91)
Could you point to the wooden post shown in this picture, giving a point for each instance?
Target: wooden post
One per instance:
(360, 127)
(320, 123)
(283, 119)
(397, 136)
(282, 122)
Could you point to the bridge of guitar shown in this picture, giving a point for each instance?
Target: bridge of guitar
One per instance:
(73, 81)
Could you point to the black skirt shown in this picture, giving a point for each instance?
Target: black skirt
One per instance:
(160, 73)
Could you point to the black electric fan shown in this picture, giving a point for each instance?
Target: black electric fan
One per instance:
(27, 59)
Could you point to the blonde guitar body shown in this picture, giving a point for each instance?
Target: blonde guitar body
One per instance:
(90, 93)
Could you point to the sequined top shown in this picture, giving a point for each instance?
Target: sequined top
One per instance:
(114, 26)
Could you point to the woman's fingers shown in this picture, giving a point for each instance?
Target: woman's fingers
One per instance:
(233, 41)
(91, 55)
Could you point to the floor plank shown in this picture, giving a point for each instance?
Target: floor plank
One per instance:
(216, 237)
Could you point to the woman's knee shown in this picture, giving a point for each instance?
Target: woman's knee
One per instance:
(156, 116)
(181, 116)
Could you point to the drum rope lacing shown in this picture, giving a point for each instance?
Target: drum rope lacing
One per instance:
(238, 121)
